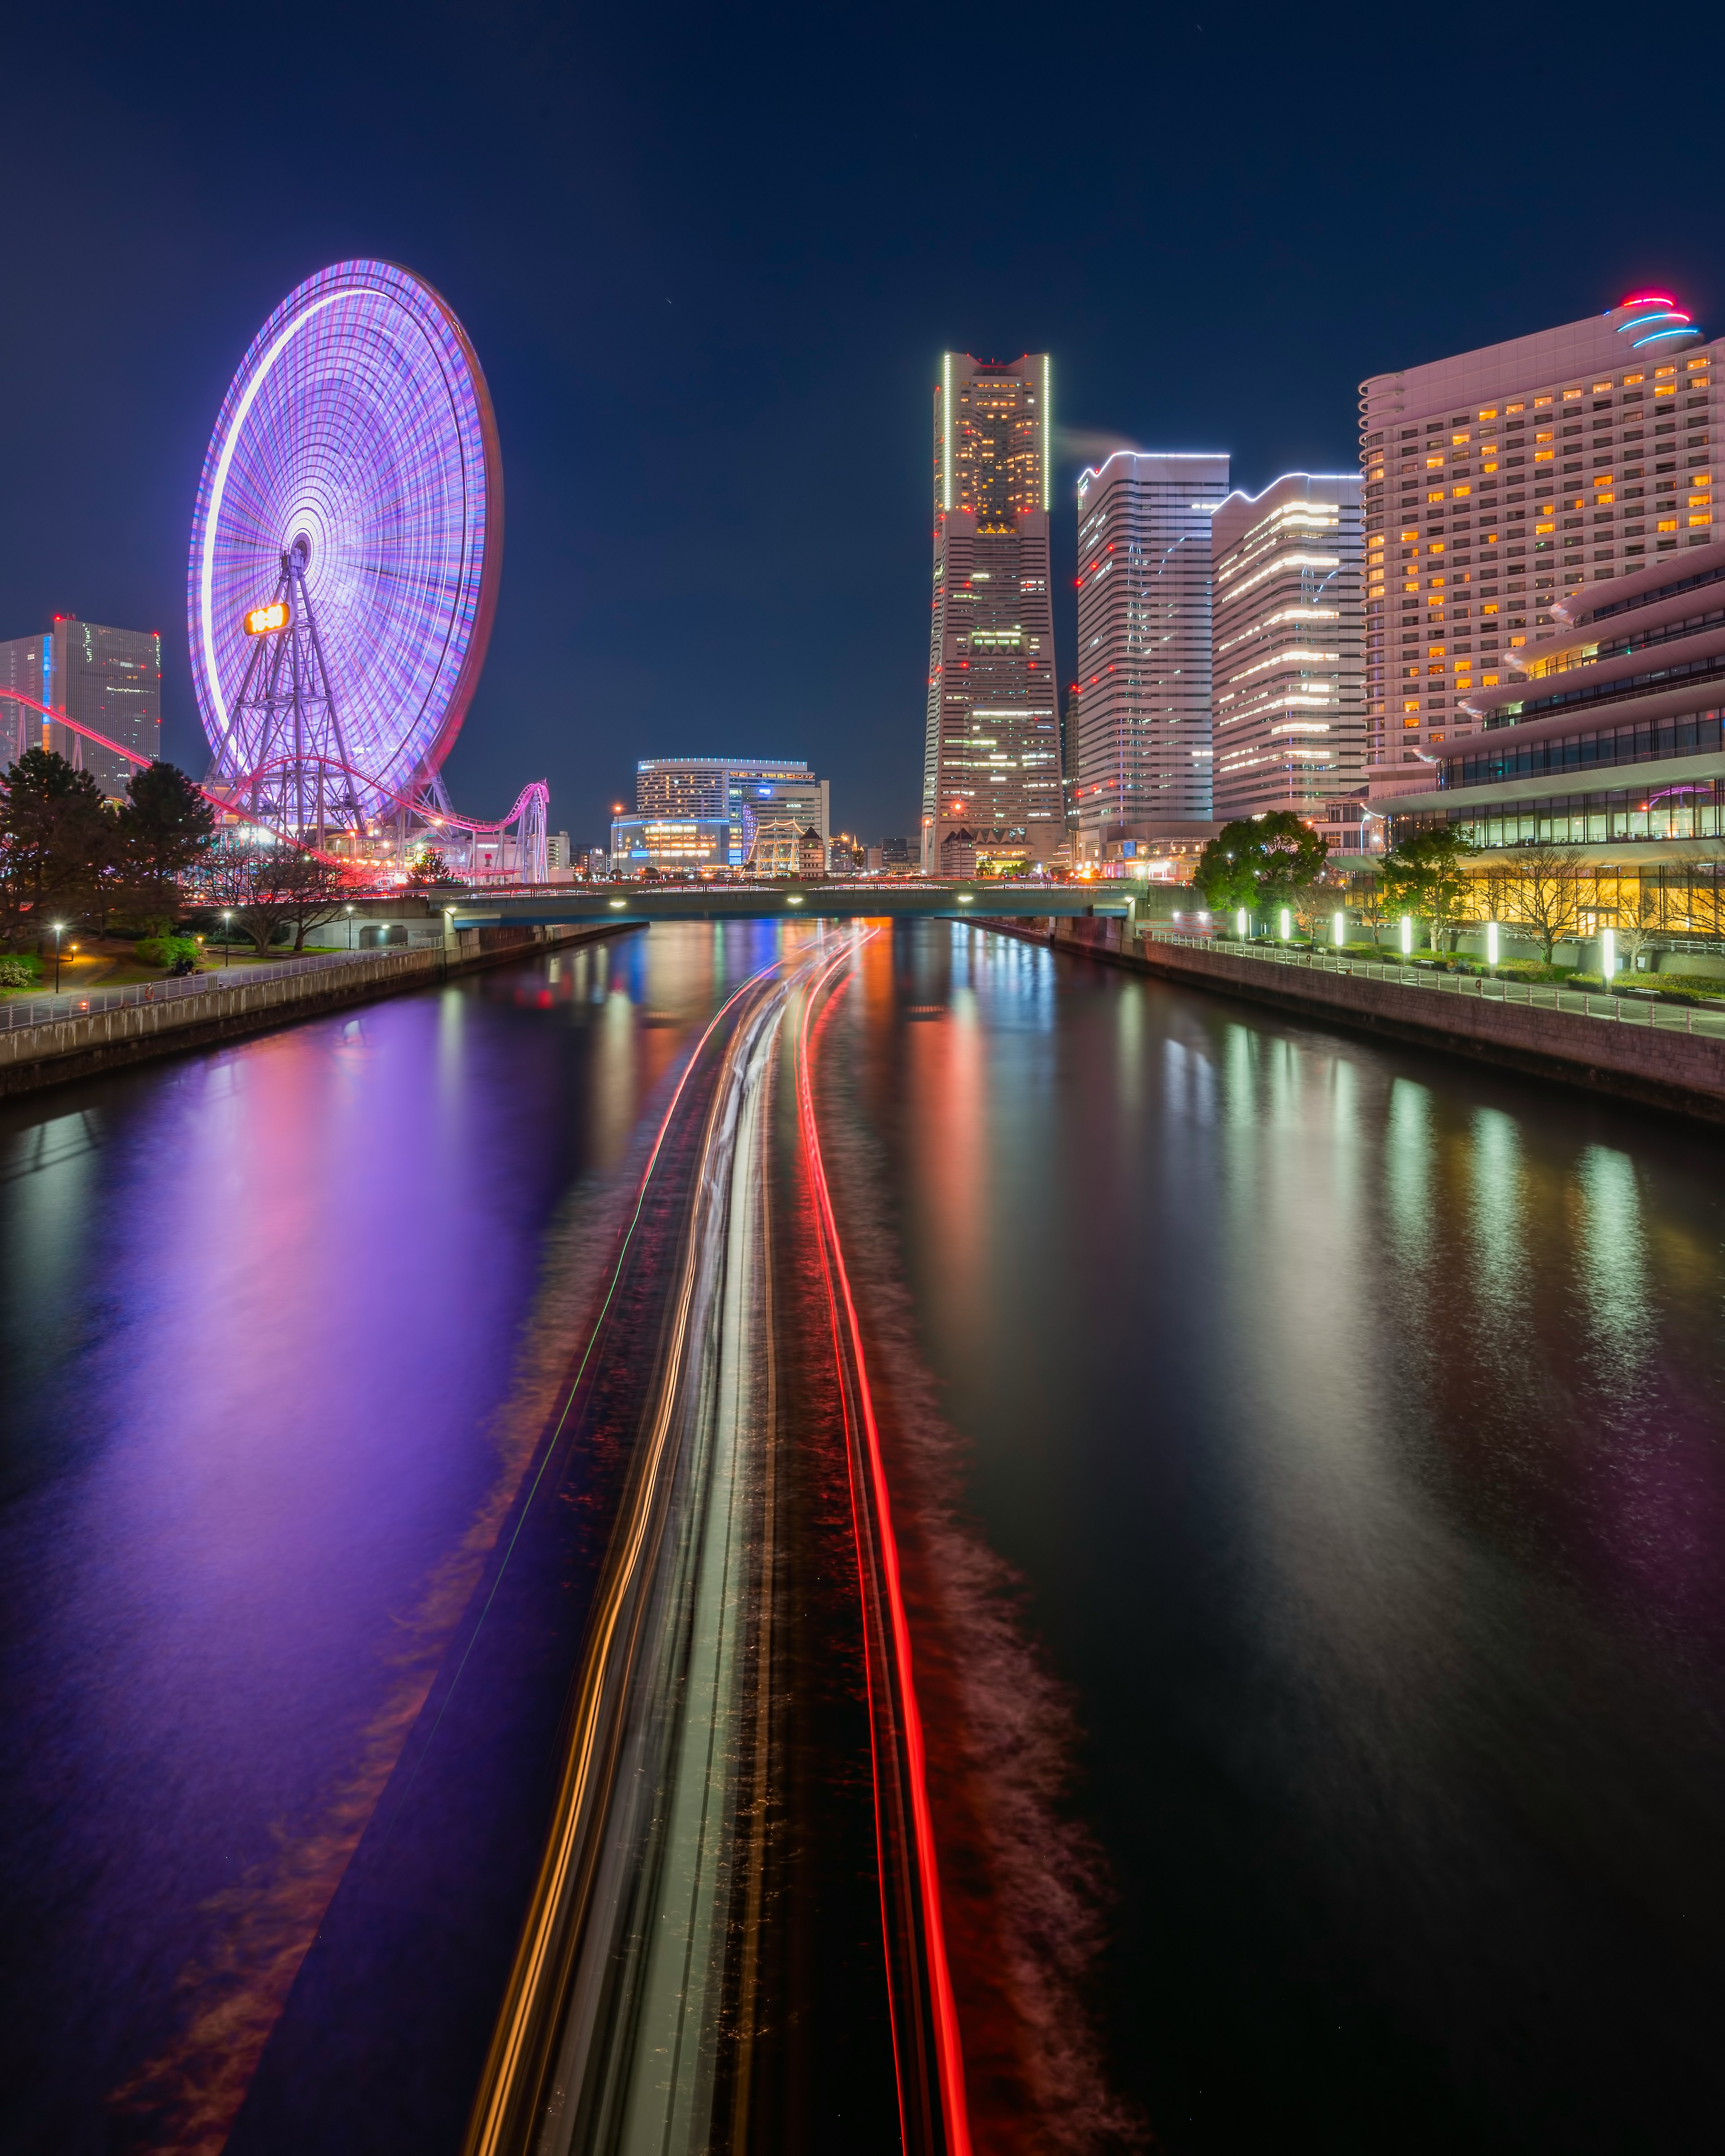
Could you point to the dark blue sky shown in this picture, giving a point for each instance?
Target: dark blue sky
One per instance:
(708, 257)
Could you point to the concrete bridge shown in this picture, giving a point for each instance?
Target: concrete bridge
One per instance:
(625, 905)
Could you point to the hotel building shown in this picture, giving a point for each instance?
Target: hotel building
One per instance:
(1608, 739)
(1138, 714)
(1500, 484)
(991, 769)
(1289, 676)
(109, 679)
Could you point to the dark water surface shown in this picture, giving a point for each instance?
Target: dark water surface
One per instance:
(1353, 1417)
(1356, 1420)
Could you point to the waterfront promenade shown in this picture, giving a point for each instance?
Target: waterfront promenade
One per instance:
(1665, 1055)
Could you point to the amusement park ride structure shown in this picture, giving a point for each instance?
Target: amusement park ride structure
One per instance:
(346, 554)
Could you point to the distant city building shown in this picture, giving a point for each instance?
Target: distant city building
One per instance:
(991, 752)
(738, 790)
(672, 845)
(846, 855)
(900, 856)
(107, 679)
(1502, 481)
(597, 861)
(782, 847)
(557, 850)
(1288, 615)
(1138, 713)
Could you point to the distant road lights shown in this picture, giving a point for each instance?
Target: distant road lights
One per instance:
(1492, 943)
(1407, 936)
(1609, 941)
(1287, 924)
(1338, 929)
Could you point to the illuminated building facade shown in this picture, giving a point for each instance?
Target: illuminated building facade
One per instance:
(736, 790)
(673, 845)
(1288, 665)
(109, 679)
(991, 770)
(1138, 714)
(1607, 738)
(1497, 484)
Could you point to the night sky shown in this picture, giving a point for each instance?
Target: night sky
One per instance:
(708, 257)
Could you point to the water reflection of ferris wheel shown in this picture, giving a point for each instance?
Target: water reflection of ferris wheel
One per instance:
(346, 553)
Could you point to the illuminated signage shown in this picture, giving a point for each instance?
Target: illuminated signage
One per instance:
(265, 620)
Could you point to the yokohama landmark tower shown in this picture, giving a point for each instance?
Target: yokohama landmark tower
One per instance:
(991, 773)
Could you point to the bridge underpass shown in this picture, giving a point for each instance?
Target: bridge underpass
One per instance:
(557, 906)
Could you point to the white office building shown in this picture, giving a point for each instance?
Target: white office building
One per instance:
(1288, 614)
(1138, 713)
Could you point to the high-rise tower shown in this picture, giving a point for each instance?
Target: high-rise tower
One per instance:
(109, 679)
(1138, 717)
(991, 773)
(1288, 617)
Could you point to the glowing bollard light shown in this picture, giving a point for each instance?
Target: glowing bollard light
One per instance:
(1490, 942)
(1609, 941)
(1338, 929)
(1240, 925)
(1286, 924)
(1407, 936)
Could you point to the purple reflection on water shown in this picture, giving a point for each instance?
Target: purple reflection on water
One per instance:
(265, 1310)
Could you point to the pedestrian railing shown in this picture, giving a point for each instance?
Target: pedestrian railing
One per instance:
(1576, 1002)
(16, 1011)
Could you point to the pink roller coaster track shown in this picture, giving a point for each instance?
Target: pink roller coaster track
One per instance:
(536, 791)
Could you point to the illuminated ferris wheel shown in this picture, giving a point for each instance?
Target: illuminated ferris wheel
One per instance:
(346, 552)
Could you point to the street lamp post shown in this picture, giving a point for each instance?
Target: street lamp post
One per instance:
(226, 917)
(350, 927)
(60, 929)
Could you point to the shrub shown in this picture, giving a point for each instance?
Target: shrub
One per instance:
(17, 973)
(163, 950)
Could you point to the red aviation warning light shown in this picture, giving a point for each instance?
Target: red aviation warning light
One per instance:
(265, 620)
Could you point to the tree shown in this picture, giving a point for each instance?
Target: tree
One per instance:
(431, 871)
(1423, 874)
(252, 882)
(312, 890)
(56, 844)
(1260, 862)
(1637, 921)
(165, 830)
(1544, 895)
(1365, 892)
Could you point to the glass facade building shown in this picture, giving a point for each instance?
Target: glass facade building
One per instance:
(991, 766)
(737, 791)
(109, 679)
(1138, 714)
(1289, 680)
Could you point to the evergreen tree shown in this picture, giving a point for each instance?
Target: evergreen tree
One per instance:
(57, 846)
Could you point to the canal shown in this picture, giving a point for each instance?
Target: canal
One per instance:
(1329, 1444)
